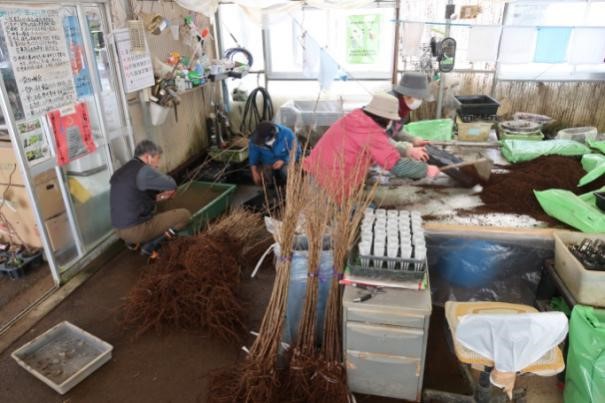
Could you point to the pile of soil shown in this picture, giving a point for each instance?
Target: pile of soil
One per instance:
(512, 192)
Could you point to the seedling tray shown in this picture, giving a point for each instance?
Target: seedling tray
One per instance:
(404, 270)
(63, 356)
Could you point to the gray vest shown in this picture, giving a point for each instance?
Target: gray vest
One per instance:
(129, 205)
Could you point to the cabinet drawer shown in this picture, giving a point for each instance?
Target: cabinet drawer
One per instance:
(384, 375)
(390, 340)
(385, 318)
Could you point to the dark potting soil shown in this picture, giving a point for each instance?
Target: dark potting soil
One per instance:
(512, 192)
(193, 199)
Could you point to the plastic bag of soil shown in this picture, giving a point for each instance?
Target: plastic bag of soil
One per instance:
(526, 150)
(579, 212)
(597, 145)
(585, 375)
(591, 161)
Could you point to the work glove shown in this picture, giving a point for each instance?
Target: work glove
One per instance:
(432, 171)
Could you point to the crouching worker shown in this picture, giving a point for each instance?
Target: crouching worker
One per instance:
(269, 153)
(135, 189)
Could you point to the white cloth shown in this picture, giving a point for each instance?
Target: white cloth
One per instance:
(587, 46)
(518, 45)
(512, 341)
(311, 55)
(206, 7)
(483, 43)
(328, 70)
(411, 36)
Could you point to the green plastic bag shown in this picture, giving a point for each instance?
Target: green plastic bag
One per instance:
(525, 150)
(580, 212)
(594, 164)
(585, 376)
(597, 145)
(436, 129)
(591, 161)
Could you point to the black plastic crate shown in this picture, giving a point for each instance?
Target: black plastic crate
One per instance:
(476, 106)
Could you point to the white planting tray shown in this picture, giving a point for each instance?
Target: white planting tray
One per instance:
(63, 356)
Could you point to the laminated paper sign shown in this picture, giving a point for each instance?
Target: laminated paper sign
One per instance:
(363, 38)
(72, 132)
(38, 54)
(34, 140)
(137, 69)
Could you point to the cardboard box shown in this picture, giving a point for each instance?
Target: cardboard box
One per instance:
(473, 131)
(59, 232)
(20, 219)
(8, 163)
(50, 200)
(18, 211)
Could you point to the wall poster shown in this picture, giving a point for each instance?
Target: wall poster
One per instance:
(34, 141)
(363, 38)
(76, 55)
(137, 69)
(72, 132)
(38, 54)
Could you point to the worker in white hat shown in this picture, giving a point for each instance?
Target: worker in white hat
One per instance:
(339, 162)
(412, 90)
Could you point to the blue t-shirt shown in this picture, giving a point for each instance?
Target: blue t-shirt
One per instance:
(280, 150)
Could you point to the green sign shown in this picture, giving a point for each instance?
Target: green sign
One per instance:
(363, 36)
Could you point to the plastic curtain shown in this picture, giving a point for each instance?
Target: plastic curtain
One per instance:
(517, 45)
(587, 46)
(551, 45)
(484, 42)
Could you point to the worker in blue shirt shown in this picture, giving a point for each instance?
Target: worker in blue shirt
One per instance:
(269, 153)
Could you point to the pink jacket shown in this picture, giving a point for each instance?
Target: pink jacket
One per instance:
(340, 160)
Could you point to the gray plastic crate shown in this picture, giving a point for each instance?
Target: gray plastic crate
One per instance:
(63, 356)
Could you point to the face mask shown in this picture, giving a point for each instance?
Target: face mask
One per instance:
(269, 143)
(415, 104)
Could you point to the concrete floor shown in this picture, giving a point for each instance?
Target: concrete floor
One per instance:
(19, 293)
(173, 367)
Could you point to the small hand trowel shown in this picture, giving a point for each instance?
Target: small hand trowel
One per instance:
(477, 171)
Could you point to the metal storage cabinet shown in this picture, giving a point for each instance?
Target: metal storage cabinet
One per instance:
(384, 342)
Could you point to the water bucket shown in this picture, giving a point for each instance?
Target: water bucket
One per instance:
(158, 113)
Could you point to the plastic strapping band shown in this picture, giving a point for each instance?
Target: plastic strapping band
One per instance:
(262, 259)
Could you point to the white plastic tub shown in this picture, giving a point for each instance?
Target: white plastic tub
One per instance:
(587, 286)
(63, 356)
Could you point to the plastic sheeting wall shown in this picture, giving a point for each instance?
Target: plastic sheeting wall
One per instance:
(486, 269)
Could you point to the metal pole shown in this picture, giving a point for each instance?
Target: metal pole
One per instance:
(396, 44)
(442, 79)
(492, 91)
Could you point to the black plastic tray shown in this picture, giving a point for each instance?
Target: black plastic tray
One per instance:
(442, 158)
(18, 272)
(474, 106)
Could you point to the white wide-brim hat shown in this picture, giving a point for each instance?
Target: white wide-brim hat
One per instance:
(384, 105)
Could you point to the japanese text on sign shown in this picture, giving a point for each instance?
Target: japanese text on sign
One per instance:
(38, 53)
(137, 69)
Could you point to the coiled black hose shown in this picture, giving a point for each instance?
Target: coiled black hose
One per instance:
(252, 115)
(229, 53)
